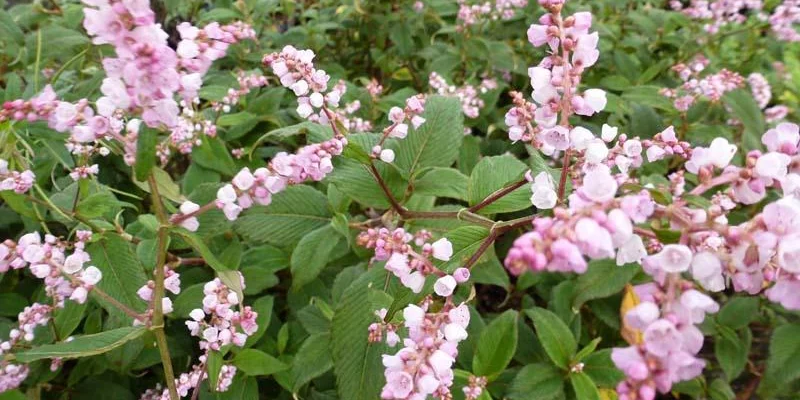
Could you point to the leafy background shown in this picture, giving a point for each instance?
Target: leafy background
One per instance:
(305, 276)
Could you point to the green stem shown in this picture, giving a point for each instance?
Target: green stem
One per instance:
(158, 291)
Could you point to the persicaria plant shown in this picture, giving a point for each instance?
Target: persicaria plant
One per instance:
(399, 200)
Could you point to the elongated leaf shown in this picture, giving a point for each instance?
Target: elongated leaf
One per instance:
(293, 213)
(496, 346)
(436, 142)
(145, 152)
(746, 109)
(602, 370)
(494, 173)
(83, 346)
(537, 382)
(602, 279)
(442, 182)
(355, 359)
(312, 253)
(213, 366)
(122, 273)
(312, 360)
(555, 336)
(783, 364)
(257, 363)
(213, 154)
(583, 386)
(732, 350)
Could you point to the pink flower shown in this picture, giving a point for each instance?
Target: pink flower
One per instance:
(442, 249)
(445, 285)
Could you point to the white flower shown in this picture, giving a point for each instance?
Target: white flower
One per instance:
(599, 185)
(414, 281)
(608, 132)
(721, 152)
(387, 155)
(226, 194)
(244, 180)
(455, 332)
(445, 285)
(442, 249)
(413, 315)
(596, 99)
(580, 137)
(91, 275)
(674, 258)
(707, 270)
(773, 165)
(316, 99)
(632, 251)
(197, 314)
(596, 151)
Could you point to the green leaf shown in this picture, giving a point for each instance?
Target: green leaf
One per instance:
(465, 240)
(312, 360)
(436, 142)
(312, 253)
(257, 363)
(12, 303)
(555, 336)
(122, 273)
(200, 247)
(496, 346)
(293, 213)
(214, 363)
(720, 390)
(213, 154)
(83, 346)
(732, 352)
(602, 370)
(354, 178)
(583, 386)
(783, 364)
(166, 186)
(494, 173)
(189, 299)
(263, 306)
(97, 204)
(242, 388)
(442, 182)
(145, 152)
(588, 349)
(738, 312)
(355, 359)
(537, 382)
(68, 318)
(602, 279)
(745, 108)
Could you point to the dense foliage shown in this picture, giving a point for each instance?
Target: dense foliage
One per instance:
(510, 199)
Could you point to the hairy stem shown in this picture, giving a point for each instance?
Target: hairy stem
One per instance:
(498, 195)
(158, 291)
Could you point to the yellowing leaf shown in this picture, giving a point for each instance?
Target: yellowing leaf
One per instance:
(629, 300)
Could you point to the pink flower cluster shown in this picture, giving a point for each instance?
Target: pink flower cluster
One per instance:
(711, 86)
(172, 283)
(64, 278)
(19, 182)
(412, 266)
(217, 324)
(400, 118)
(344, 115)
(312, 162)
(471, 103)
(246, 84)
(296, 71)
(784, 19)
(478, 13)
(200, 47)
(189, 381)
(188, 131)
(668, 338)
(718, 13)
(38, 108)
(556, 79)
(597, 225)
(424, 366)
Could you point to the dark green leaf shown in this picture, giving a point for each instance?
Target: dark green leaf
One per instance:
(83, 346)
(496, 346)
(555, 336)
